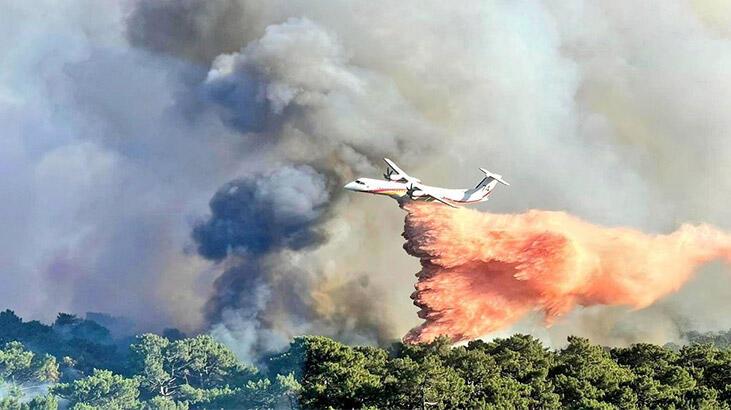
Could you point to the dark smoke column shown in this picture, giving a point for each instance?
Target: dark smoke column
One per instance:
(254, 218)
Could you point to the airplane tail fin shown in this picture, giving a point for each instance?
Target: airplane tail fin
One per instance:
(489, 177)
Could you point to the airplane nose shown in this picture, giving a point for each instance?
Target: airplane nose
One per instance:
(351, 186)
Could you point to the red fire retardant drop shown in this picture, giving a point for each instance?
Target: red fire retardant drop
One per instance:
(482, 272)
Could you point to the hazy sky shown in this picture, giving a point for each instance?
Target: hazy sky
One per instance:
(120, 121)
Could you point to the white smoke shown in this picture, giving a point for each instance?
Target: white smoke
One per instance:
(318, 104)
(613, 111)
(565, 98)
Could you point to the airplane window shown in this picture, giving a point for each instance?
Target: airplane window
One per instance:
(358, 181)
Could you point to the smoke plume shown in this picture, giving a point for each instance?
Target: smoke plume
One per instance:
(260, 227)
(252, 219)
(258, 215)
(123, 124)
(482, 272)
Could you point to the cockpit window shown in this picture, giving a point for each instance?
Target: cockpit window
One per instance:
(358, 181)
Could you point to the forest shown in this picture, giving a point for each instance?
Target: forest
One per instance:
(80, 364)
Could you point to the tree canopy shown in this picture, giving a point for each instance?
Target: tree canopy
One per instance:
(314, 372)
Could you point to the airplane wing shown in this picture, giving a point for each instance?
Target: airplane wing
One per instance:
(433, 195)
(396, 168)
(443, 201)
(400, 172)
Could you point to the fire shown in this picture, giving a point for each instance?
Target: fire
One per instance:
(482, 272)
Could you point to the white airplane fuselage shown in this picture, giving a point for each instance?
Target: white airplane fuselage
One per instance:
(399, 191)
(402, 187)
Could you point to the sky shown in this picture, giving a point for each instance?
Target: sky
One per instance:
(181, 163)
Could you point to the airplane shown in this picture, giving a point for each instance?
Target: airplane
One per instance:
(401, 186)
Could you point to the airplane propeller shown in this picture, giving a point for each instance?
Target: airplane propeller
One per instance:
(410, 191)
(388, 173)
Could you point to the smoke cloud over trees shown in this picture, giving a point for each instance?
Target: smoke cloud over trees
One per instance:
(179, 163)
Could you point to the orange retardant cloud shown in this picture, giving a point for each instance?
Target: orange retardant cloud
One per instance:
(482, 272)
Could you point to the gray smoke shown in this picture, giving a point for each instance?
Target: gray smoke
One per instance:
(573, 101)
(192, 29)
(262, 298)
(250, 219)
(257, 215)
(121, 120)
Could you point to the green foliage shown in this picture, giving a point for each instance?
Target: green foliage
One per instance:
(102, 389)
(22, 370)
(336, 375)
(164, 403)
(288, 389)
(254, 395)
(587, 377)
(660, 382)
(524, 365)
(431, 383)
(260, 394)
(23, 367)
(490, 388)
(181, 373)
(710, 367)
(88, 343)
(163, 367)
(43, 402)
